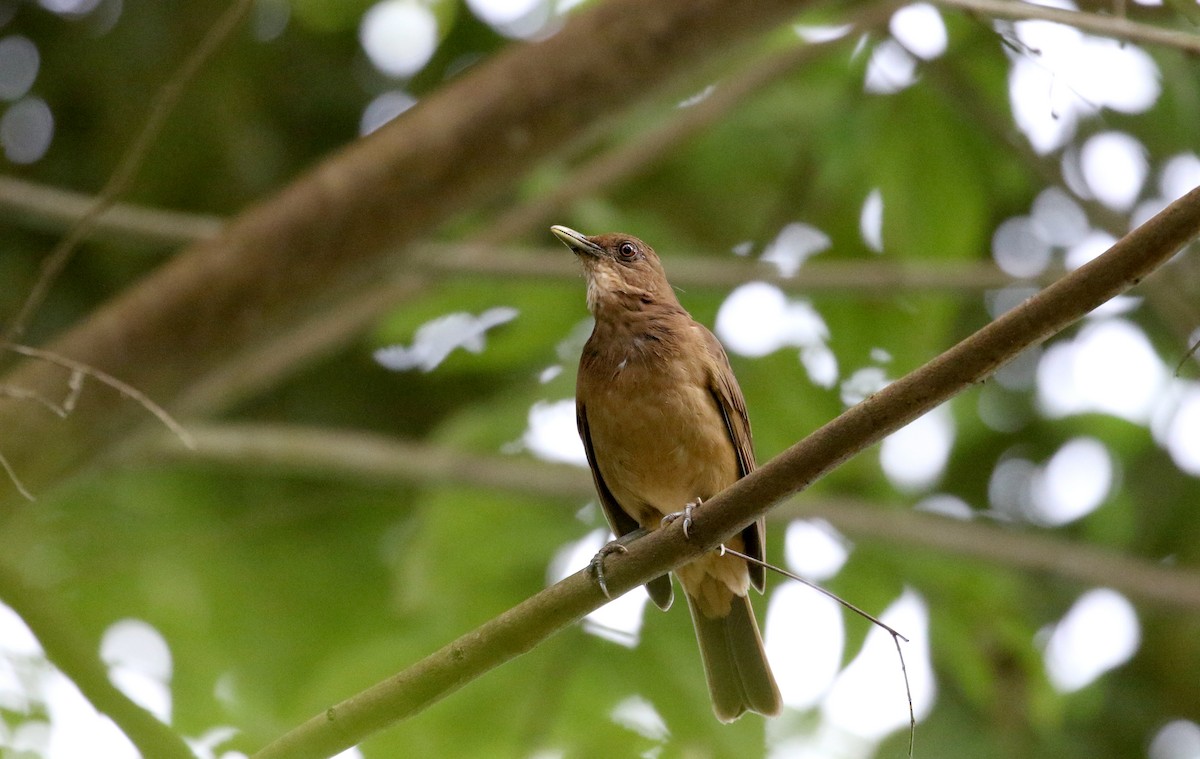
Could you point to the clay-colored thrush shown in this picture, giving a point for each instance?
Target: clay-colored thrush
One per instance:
(664, 425)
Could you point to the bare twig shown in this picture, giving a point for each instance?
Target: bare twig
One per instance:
(871, 277)
(75, 383)
(21, 394)
(1190, 352)
(912, 714)
(16, 481)
(1111, 26)
(865, 277)
(896, 636)
(723, 549)
(321, 335)
(164, 102)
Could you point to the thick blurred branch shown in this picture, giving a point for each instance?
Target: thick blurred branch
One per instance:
(374, 457)
(329, 232)
(969, 362)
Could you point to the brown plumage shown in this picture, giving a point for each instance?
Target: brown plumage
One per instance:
(664, 424)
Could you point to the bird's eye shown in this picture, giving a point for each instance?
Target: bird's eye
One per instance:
(627, 250)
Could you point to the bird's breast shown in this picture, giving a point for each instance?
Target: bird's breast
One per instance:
(659, 439)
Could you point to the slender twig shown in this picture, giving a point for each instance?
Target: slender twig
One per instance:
(912, 713)
(16, 481)
(319, 336)
(79, 369)
(58, 632)
(896, 636)
(1111, 26)
(1190, 352)
(164, 102)
(723, 549)
(21, 394)
(874, 276)
(325, 332)
(146, 224)
(368, 456)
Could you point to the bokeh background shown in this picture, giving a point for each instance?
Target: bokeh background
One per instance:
(841, 200)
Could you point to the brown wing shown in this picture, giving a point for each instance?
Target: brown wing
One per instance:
(618, 519)
(728, 396)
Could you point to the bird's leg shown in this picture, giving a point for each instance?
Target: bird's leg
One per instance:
(614, 546)
(688, 508)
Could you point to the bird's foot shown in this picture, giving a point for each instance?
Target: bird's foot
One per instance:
(615, 546)
(686, 514)
(597, 563)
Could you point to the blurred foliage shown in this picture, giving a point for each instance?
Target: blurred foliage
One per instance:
(281, 593)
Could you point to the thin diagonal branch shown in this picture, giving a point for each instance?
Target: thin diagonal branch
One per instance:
(972, 360)
(164, 102)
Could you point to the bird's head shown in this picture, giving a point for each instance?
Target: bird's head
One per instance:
(622, 271)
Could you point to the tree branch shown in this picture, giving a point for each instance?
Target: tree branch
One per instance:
(971, 361)
(332, 229)
(1108, 26)
(58, 634)
(324, 333)
(55, 209)
(1176, 587)
(870, 277)
(369, 456)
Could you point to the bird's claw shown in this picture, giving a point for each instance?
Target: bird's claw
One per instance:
(686, 514)
(597, 564)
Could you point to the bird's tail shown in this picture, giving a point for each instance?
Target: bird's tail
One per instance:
(735, 662)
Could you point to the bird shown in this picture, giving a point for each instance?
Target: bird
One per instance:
(665, 427)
